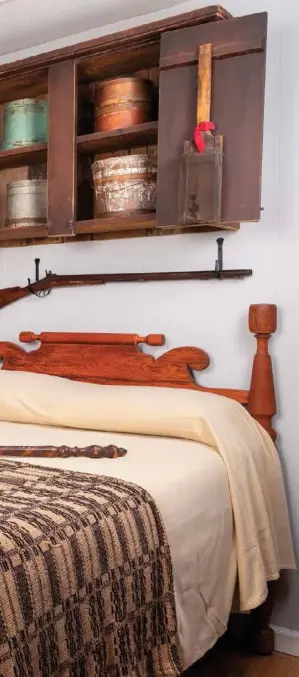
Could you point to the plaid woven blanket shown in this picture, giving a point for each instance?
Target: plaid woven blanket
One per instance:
(86, 584)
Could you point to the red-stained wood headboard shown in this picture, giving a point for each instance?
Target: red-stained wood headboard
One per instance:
(116, 359)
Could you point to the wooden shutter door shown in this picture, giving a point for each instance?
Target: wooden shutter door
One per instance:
(238, 83)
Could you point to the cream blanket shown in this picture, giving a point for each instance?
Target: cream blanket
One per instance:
(262, 531)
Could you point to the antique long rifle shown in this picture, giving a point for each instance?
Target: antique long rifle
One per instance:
(43, 286)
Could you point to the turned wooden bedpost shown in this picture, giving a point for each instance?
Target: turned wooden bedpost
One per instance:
(262, 406)
(261, 401)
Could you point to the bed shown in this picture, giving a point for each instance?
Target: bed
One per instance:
(189, 488)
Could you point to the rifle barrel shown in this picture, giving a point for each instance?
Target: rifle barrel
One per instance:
(90, 279)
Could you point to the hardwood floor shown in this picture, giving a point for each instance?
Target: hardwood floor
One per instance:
(235, 664)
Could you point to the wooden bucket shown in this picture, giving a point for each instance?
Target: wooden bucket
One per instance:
(125, 184)
(25, 123)
(26, 203)
(122, 102)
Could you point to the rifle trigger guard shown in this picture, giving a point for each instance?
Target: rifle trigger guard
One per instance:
(41, 294)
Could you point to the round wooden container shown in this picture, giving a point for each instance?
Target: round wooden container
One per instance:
(125, 184)
(123, 102)
(26, 203)
(25, 123)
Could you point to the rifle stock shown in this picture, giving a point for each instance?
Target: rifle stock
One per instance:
(12, 294)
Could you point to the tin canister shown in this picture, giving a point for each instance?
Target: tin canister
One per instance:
(125, 184)
(25, 123)
(26, 203)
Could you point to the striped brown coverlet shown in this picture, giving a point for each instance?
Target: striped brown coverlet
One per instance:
(85, 578)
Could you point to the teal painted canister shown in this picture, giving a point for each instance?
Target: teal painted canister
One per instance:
(25, 123)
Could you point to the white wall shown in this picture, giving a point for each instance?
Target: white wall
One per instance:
(25, 23)
(212, 314)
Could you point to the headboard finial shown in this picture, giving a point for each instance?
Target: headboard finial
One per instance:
(263, 318)
(261, 400)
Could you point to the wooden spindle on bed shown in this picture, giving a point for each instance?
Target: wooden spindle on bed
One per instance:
(89, 339)
(261, 400)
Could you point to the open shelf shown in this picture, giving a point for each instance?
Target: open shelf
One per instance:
(13, 88)
(108, 224)
(114, 224)
(118, 62)
(23, 156)
(23, 233)
(145, 134)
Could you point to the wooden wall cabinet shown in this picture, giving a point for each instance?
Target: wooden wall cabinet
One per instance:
(167, 52)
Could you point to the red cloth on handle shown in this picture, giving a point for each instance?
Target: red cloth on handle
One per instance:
(199, 137)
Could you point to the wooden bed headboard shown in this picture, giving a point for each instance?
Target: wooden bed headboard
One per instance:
(117, 359)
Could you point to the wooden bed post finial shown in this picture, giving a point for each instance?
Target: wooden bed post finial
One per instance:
(261, 401)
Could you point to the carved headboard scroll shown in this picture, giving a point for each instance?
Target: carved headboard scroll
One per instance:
(117, 359)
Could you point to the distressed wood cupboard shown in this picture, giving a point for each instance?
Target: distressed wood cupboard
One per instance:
(167, 53)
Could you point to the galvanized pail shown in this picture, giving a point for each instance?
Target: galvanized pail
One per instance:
(125, 184)
(25, 123)
(26, 203)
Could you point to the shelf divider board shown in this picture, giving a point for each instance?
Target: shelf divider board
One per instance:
(62, 156)
(145, 134)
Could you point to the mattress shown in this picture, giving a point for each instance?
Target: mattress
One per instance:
(189, 484)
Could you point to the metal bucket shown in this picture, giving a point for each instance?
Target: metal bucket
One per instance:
(26, 203)
(25, 123)
(125, 184)
(122, 102)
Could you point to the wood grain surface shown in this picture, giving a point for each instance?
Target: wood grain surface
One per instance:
(233, 664)
(237, 104)
(118, 139)
(62, 149)
(262, 402)
(204, 83)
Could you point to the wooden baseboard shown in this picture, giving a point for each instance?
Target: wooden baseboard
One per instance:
(286, 641)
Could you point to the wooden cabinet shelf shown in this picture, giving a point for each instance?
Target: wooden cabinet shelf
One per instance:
(28, 233)
(113, 224)
(21, 234)
(23, 157)
(109, 224)
(118, 139)
(165, 52)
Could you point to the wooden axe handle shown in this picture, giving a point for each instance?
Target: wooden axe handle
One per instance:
(204, 84)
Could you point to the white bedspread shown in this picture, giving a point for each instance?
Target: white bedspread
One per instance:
(188, 481)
